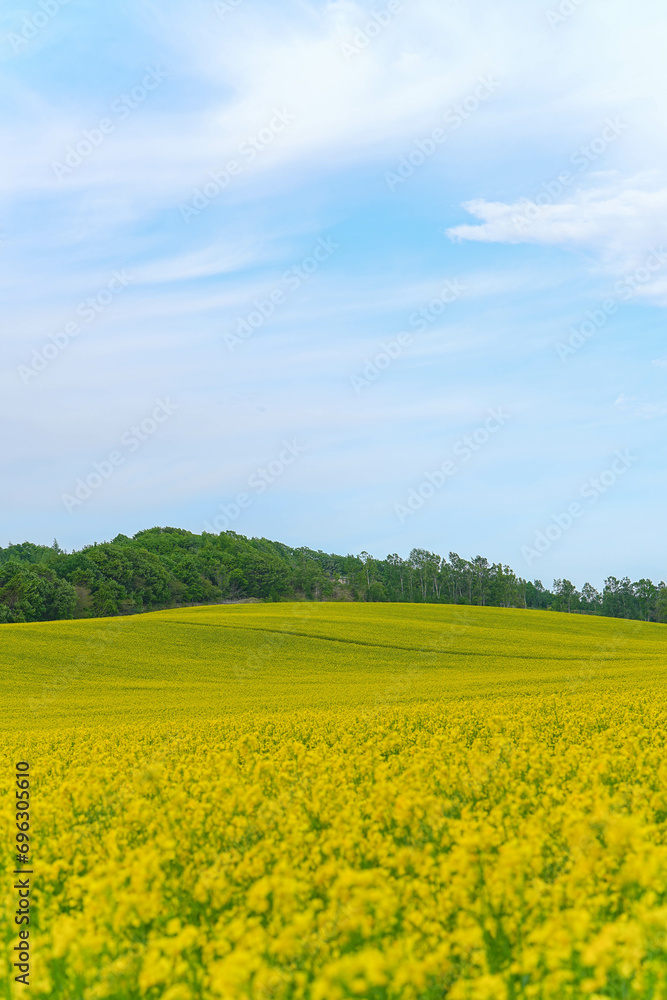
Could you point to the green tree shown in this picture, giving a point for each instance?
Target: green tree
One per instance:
(567, 595)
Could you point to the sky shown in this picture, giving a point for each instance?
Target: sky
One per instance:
(349, 276)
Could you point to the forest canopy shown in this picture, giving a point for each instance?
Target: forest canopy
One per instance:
(170, 567)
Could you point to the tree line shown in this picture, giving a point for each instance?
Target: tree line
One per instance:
(171, 567)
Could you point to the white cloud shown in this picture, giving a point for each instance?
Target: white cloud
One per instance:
(622, 223)
(345, 110)
(198, 264)
(368, 107)
(605, 219)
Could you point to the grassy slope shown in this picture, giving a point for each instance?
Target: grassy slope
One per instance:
(209, 661)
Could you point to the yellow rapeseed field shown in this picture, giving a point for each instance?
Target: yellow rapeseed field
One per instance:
(334, 801)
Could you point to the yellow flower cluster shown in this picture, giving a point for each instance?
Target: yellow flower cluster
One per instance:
(322, 802)
(473, 850)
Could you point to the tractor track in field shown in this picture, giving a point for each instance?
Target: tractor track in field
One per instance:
(360, 642)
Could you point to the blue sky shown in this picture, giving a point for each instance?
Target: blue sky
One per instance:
(426, 214)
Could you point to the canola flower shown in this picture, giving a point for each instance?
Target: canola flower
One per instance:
(478, 845)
